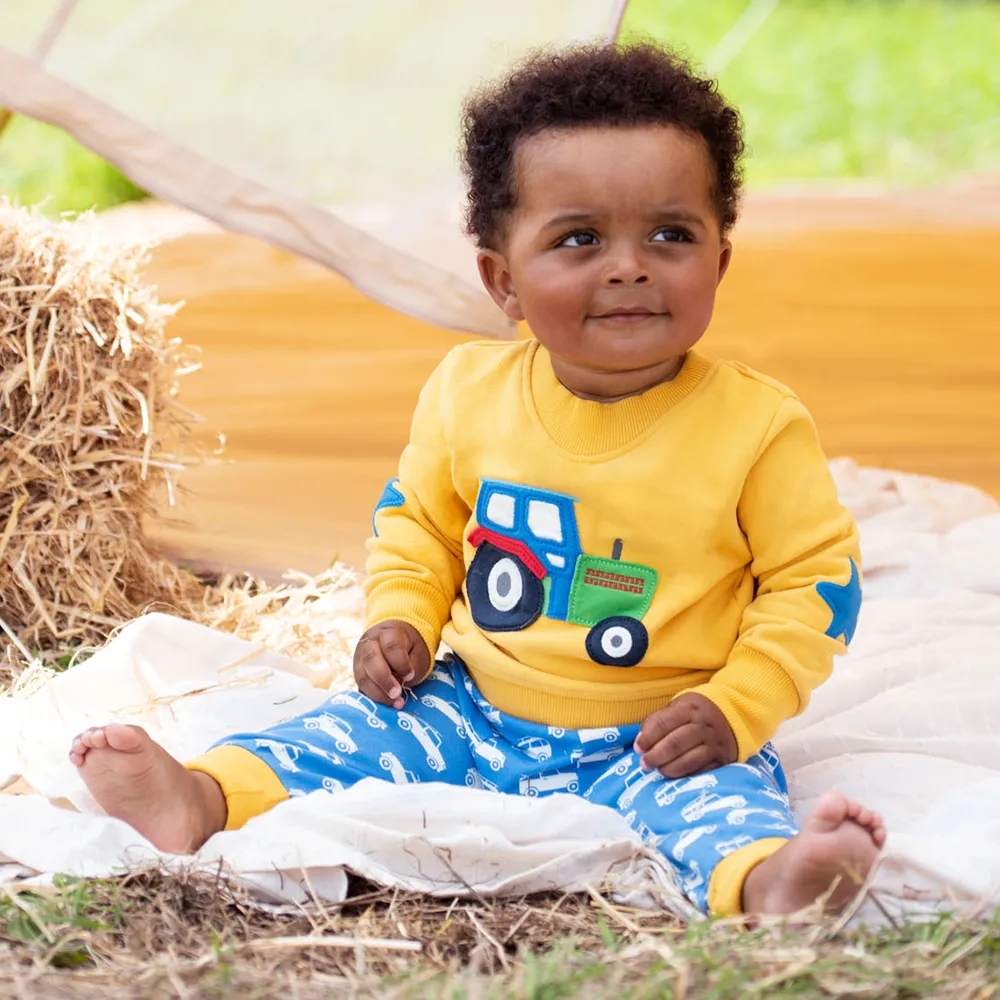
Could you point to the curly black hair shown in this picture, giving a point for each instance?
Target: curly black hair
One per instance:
(590, 85)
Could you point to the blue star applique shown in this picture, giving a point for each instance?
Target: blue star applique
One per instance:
(844, 600)
(391, 497)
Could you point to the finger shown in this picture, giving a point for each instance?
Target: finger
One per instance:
(395, 646)
(374, 690)
(675, 744)
(657, 726)
(701, 758)
(372, 670)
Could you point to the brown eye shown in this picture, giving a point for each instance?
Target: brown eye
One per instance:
(671, 235)
(581, 239)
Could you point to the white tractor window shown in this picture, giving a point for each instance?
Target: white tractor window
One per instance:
(544, 521)
(556, 561)
(500, 509)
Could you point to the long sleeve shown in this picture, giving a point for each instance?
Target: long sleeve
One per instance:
(806, 566)
(415, 566)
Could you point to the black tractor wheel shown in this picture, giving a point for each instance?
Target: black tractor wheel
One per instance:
(504, 595)
(618, 642)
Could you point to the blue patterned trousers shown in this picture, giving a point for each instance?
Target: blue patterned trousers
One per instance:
(448, 732)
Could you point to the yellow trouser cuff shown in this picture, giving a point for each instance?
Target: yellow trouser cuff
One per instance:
(725, 887)
(249, 785)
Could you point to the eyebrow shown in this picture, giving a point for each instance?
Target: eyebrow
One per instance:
(662, 214)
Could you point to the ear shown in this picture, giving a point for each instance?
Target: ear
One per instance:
(497, 280)
(725, 256)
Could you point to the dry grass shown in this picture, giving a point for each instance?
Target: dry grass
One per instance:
(89, 425)
(149, 935)
(314, 620)
(90, 431)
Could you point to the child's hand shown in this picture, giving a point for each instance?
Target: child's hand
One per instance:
(388, 656)
(688, 736)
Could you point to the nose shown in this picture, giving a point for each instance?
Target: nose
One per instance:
(625, 267)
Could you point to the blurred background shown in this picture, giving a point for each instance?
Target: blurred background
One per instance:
(864, 274)
(895, 92)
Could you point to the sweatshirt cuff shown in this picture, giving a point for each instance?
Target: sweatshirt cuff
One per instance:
(755, 694)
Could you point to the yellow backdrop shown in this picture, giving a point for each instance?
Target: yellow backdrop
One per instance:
(885, 324)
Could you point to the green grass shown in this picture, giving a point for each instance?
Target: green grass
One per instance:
(902, 92)
(42, 164)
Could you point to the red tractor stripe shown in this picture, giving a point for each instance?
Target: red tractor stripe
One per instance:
(511, 546)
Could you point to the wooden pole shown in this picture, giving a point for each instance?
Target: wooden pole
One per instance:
(45, 42)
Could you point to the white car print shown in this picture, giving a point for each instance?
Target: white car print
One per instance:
(617, 771)
(332, 785)
(391, 763)
(739, 816)
(428, 738)
(447, 710)
(536, 748)
(634, 784)
(666, 795)
(648, 836)
(693, 881)
(488, 750)
(727, 847)
(770, 758)
(283, 753)
(785, 828)
(338, 731)
(749, 768)
(493, 715)
(489, 785)
(710, 802)
(442, 675)
(687, 838)
(607, 753)
(363, 704)
(775, 795)
(556, 732)
(327, 755)
(472, 778)
(607, 734)
(562, 782)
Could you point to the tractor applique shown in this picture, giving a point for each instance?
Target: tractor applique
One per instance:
(529, 563)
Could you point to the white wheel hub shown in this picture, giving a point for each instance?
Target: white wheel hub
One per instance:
(617, 642)
(505, 585)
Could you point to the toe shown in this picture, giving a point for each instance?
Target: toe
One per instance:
(96, 739)
(125, 738)
(860, 815)
(878, 833)
(828, 813)
(76, 758)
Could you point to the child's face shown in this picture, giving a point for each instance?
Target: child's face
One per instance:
(612, 254)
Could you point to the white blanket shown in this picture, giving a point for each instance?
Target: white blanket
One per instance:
(908, 724)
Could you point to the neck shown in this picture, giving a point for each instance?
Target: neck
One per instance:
(610, 387)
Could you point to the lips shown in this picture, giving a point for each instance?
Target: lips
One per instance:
(629, 314)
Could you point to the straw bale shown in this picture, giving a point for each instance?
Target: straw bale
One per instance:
(315, 620)
(89, 430)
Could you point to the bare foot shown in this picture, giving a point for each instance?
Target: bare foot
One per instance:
(834, 852)
(136, 780)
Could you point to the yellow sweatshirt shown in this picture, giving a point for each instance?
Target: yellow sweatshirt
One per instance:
(590, 561)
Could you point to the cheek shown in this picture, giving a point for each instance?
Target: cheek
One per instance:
(692, 286)
(548, 289)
